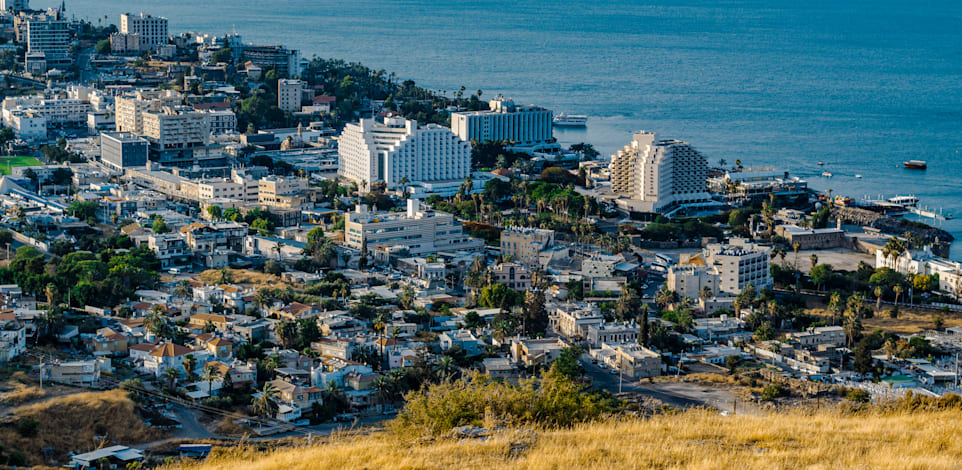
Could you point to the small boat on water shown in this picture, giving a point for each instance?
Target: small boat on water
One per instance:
(570, 120)
(827, 174)
(821, 163)
(858, 176)
(916, 164)
(904, 201)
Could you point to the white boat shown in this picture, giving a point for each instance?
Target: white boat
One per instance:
(821, 163)
(904, 201)
(570, 120)
(858, 176)
(827, 174)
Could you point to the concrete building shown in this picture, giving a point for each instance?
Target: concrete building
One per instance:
(526, 244)
(574, 321)
(655, 175)
(280, 191)
(152, 30)
(630, 359)
(512, 275)
(689, 280)
(624, 332)
(398, 149)
(812, 239)
(272, 57)
(814, 337)
(130, 107)
(28, 124)
(419, 231)
(740, 263)
(56, 110)
(523, 126)
(51, 36)
(122, 150)
(175, 133)
(289, 93)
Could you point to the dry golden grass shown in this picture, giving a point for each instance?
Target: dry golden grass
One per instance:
(690, 440)
(70, 423)
(244, 277)
(909, 320)
(21, 394)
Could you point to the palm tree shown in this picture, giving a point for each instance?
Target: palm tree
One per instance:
(51, 291)
(898, 291)
(878, 298)
(263, 403)
(190, 362)
(211, 373)
(395, 332)
(705, 293)
(835, 306)
(171, 374)
(795, 247)
(814, 259)
(183, 289)
(446, 367)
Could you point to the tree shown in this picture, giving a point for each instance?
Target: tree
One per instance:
(535, 315)
(103, 47)
(820, 274)
(627, 303)
(221, 56)
(863, 362)
(938, 322)
(215, 212)
(731, 363)
(171, 374)
(287, 333)
(84, 210)
(263, 401)
(190, 362)
(271, 266)
(160, 226)
(643, 326)
(499, 296)
(211, 373)
(878, 299)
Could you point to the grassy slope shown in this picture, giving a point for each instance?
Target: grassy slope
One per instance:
(70, 423)
(692, 440)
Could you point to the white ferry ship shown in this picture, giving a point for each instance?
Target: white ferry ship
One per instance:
(570, 120)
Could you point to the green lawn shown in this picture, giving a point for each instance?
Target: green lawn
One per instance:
(6, 163)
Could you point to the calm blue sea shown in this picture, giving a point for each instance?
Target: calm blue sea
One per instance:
(860, 85)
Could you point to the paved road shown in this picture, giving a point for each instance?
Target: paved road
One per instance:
(677, 394)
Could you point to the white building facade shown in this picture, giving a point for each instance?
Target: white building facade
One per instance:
(655, 175)
(398, 149)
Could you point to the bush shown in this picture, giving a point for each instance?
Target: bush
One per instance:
(28, 427)
(858, 395)
(771, 392)
(553, 401)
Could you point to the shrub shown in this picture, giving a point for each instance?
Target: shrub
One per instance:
(553, 401)
(771, 392)
(858, 395)
(28, 427)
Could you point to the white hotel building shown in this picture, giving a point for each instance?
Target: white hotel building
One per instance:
(524, 126)
(657, 175)
(372, 151)
(152, 30)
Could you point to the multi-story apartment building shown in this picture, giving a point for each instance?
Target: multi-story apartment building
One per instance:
(27, 124)
(152, 30)
(272, 57)
(130, 108)
(512, 275)
(123, 149)
(738, 264)
(526, 244)
(55, 110)
(171, 249)
(175, 133)
(398, 149)
(279, 191)
(631, 360)
(656, 175)
(574, 321)
(52, 36)
(222, 121)
(289, 93)
(690, 280)
(521, 126)
(419, 231)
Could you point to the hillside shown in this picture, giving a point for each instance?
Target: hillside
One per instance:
(690, 440)
(71, 423)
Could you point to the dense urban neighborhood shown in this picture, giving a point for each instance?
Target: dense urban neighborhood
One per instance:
(216, 240)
